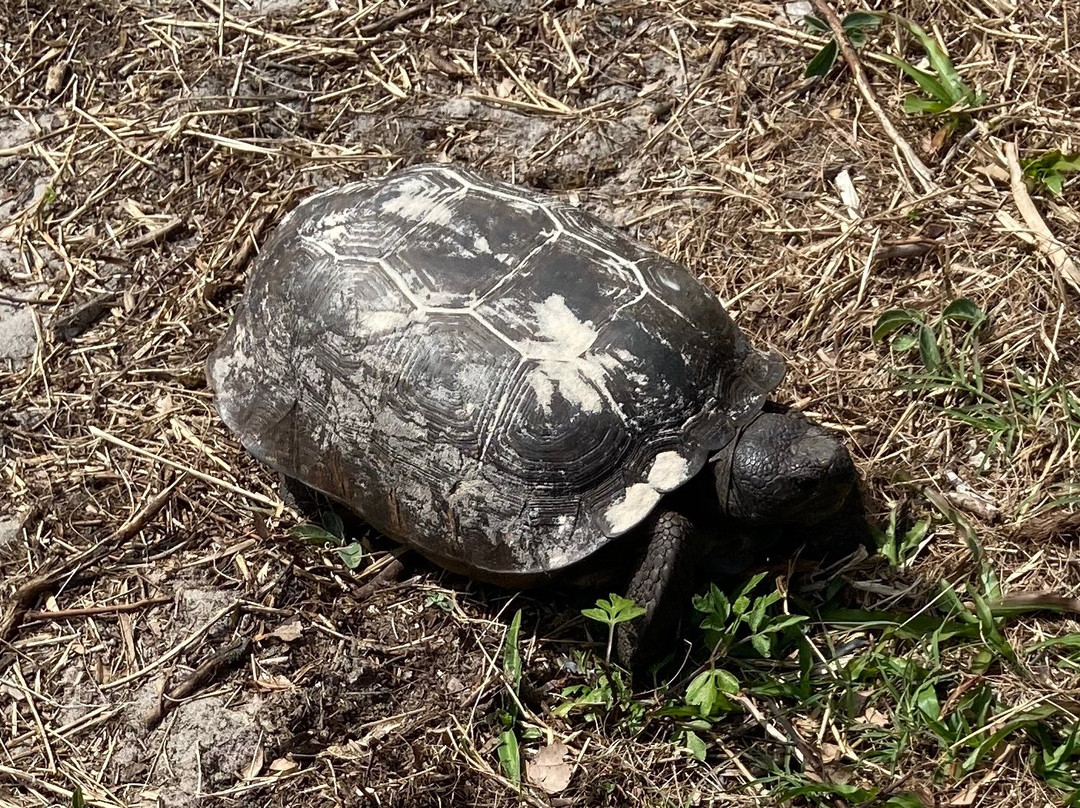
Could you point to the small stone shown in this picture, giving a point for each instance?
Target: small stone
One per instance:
(18, 336)
(10, 530)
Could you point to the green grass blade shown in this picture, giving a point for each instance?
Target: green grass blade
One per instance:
(927, 82)
(956, 90)
(512, 653)
(510, 756)
(917, 105)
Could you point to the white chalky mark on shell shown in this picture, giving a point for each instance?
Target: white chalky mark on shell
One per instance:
(635, 505)
(669, 471)
(570, 379)
(380, 322)
(335, 226)
(414, 205)
(543, 387)
(670, 282)
(481, 246)
(558, 328)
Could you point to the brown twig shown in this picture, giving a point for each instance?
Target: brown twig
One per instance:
(907, 248)
(220, 663)
(30, 591)
(157, 234)
(1045, 242)
(384, 576)
(918, 167)
(94, 611)
(398, 17)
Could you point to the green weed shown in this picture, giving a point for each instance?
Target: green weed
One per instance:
(331, 535)
(856, 25)
(901, 547)
(942, 90)
(1048, 171)
(508, 749)
(906, 689)
(749, 621)
(610, 612)
(952, 378)
(608, 690)
(606, 695)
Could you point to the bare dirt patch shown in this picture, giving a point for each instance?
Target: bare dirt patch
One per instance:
(166, 642)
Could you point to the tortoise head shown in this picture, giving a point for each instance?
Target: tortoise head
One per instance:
(783, 469)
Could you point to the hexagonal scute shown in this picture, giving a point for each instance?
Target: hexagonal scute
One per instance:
(352, 297)
(555, 304)
(466, 248)
(557, 430)
(584, 226)
(370, 218)
(449, 375)
(681, 292)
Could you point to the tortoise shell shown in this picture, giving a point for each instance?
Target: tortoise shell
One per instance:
(482, 372)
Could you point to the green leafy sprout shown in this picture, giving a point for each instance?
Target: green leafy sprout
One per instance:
(855, 27)
(953, 380)
(331, 534)
(1048, 171)
(732, 624)
(611, 611)
(909, 329)
(917, 682)
(942, 89)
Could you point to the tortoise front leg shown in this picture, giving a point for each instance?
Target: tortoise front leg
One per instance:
(663, 582)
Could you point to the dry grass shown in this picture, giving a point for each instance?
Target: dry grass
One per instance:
(163, 637)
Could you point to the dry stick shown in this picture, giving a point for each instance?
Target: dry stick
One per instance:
(27, 593)
(720, 50)
(389, 573)
(922, 173)
(176, 650)
(94, 611)
(93, 719)
(1045, 242)
(206, 478)
(221, 662)
(66, 793)
(157, 234)
(404, 15)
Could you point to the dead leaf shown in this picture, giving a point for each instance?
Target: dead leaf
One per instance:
(504, 88)
(350, 750)
(284, 765)
(54, 80)
(275, 681)
(848, 195)
(876, 717)
(830, 752)
(547, 770)
(289, 631)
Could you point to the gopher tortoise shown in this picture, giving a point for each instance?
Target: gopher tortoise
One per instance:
(518, 391)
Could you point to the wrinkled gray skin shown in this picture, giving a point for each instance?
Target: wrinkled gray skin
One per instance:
(518, 391)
